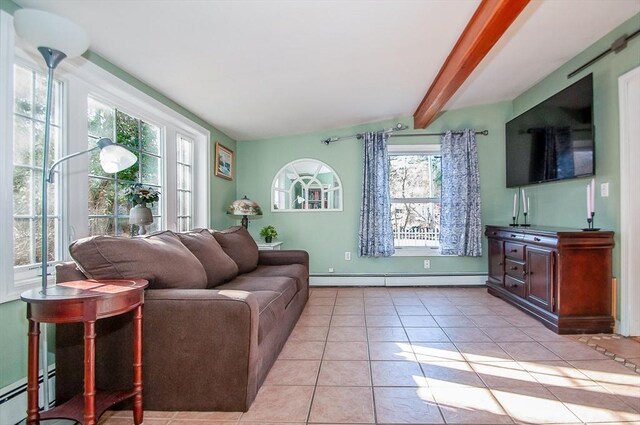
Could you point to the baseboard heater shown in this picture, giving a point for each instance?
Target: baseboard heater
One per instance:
(398, 279)
(13, 398)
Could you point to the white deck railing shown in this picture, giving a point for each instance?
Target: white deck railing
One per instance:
(418, 237)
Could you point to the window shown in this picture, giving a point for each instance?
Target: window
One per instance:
(29, 99)
(88, 103)
(415, 179)
(108, 209)
(306, 185)
(184, 171)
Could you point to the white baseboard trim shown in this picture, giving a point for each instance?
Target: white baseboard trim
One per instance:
(397, 280)
(346, 280)
(13, 398)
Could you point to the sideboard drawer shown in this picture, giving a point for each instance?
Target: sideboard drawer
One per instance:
(541, 240)
(511, 234)
(514, 269)
(514, 285)
(514, 250)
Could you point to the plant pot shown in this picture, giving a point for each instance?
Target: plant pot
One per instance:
(141, 216)
(268, 239)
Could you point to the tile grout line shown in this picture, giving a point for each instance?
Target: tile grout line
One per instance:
(324, 348)
(420, 364)
(366, 332)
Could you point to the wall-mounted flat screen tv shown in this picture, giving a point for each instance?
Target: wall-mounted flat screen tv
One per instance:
(553, 140)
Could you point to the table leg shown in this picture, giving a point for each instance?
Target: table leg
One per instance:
(33, 410)
(89, 373)
(138, 409)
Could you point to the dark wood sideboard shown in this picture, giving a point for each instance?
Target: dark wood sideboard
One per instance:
(561, 277)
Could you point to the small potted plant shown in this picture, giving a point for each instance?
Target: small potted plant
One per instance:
(138, 194)
(268, 233)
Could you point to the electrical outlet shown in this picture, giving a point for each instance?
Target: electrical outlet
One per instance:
(427, 264)
(330, 269)
(347, 256)
(604, 190)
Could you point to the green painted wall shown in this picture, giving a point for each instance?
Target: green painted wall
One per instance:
(564, 203)
(13, 324)
(327, 235)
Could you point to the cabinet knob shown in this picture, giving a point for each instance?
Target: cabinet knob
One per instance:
(514, 236)
(513, 268)
(494, 233)
(514, 250)
(501, 263)
(513, 285)
(536, 239)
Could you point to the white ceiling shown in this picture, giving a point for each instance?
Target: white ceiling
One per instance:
(258, 69)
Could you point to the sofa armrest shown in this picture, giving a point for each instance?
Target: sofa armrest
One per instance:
(68, 271)
(215, 333)
(192, 338)
(282, 257)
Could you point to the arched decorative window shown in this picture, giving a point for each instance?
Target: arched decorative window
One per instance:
(306, 185)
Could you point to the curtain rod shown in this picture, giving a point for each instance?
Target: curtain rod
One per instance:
(617, 46)
(391, 131)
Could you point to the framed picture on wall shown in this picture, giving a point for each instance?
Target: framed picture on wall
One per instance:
(224, 162)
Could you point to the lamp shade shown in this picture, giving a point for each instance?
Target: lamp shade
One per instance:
(44, 29)
(244, 206)
(115, 158)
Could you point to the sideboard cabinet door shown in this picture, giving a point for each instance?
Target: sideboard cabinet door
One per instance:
(540, 277)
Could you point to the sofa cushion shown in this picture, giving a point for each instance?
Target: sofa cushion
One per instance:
(240, 246)
(160, 258)
(271, 306)
(284, 285)
(295, 271)
(219, 267)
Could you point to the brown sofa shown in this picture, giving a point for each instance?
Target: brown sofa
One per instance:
(217, 313)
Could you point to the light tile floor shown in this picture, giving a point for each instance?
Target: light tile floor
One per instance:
(429, 356)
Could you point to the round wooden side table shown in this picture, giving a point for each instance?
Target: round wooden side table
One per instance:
(85, 301)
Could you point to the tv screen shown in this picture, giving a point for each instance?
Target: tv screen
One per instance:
(553, 140)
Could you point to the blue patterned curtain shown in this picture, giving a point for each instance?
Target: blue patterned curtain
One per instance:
(375, 238)
(460, 226)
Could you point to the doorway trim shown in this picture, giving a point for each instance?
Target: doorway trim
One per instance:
(629, 102)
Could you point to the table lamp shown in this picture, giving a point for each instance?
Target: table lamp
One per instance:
(244, 208)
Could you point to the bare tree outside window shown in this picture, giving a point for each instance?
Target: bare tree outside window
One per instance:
(415, 180)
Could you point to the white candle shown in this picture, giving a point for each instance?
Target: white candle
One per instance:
(524, 202)
(593, 196)
(588, 201)
(515, 203)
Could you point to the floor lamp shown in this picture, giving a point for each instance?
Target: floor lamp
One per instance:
(57, 38)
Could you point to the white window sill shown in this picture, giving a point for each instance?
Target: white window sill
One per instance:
(418, 252)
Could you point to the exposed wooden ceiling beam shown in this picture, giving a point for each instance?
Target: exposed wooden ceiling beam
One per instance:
(489, 22)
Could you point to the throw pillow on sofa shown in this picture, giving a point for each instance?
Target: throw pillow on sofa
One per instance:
(219, 267)
(160, 258)
(238, 244)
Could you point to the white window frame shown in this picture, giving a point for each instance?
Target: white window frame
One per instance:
(421, 149)
(30, 273)
(82, 78)
(161, 153)
(192, 179)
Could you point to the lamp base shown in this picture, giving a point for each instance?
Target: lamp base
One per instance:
(245, 222)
